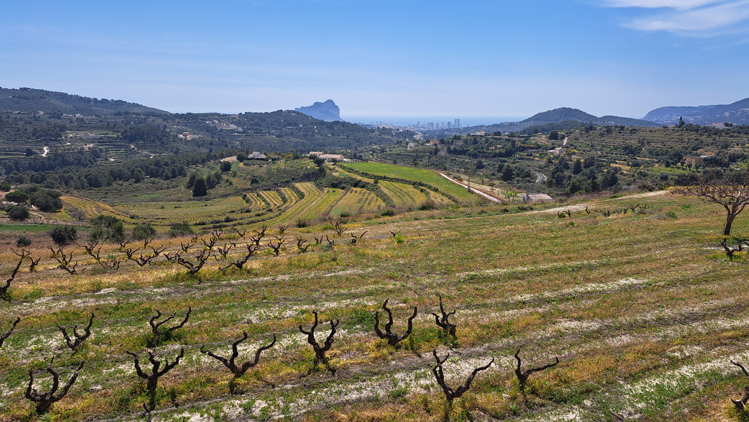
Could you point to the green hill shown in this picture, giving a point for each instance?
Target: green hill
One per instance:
(35, 100)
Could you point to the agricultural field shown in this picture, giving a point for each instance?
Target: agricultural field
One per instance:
(357, 201)
(416, 175)
(643, 310)
(168, 202)
(91, 208)
(166, 213)
(403, 195)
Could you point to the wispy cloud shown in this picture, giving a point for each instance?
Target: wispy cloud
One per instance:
(696, 18)
(656, 4)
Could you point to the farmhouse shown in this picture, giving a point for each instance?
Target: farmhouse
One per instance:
(331, 157)
(257, 156)
(694, 160)
(535, 198)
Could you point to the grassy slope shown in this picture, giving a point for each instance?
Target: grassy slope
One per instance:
(637, 307)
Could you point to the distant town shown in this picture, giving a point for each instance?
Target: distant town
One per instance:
(418, 126)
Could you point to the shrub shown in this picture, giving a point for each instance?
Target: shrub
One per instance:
(180, 229)
(17, 212)
(388, 212)
(143, 231)
(64, 235)
(23, 241)
(427, 205)
(301, 223)
(4, 186)
(18, 197)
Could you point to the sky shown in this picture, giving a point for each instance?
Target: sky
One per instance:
(381, 60)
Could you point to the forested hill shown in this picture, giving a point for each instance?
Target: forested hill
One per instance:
(736, 113)
(34, 100)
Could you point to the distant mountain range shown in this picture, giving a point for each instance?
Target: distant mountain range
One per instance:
(327, 111)
(736, 113)
(560, 118)
(31, 100)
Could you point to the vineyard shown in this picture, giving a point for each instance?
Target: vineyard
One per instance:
(644, 329)
(287, 204)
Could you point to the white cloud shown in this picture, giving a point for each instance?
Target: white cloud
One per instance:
(655, 4)
(697, 18)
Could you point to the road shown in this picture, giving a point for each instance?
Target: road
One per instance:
(482, 194)
(540, 177)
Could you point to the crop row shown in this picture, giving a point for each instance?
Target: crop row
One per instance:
(425, 177)
(357, 200)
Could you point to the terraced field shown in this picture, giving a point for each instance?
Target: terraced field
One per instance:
(166, 213)
(357, 200)
(644, 324)
(92, 208)
(416, 175)
(273, 198)
(311, 196)
(322, 205)
(254, 202)
(403, 195)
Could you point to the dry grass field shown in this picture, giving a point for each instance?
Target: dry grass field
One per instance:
(642, 309)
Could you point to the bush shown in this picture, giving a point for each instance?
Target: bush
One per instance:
(388, 212)
(104, 220)
(17, 212)
(180, 229)
(18, 197)
(23, 241)
(64, 235)
(301, 223)
(4, 186)
(143, 231)
(427, 205)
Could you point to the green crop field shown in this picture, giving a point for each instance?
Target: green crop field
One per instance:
(416, 175)
(403, 195)
(357, 200)
(322, 205)
(272, 197)
(311, 196)
(165, 213)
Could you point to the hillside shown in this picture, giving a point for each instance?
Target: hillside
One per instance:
(34, 100)
(736, 113)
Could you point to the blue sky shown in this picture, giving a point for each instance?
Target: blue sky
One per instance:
(379, 59)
